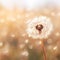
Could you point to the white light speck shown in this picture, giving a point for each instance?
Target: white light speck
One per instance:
(53, 14)
(26, 41)
(5, 50)
(12, 35)
(39, 42)
(2, 20)
(57, 34)
(18, 16)
(1, 44)
(22, 46)
(55, 48)
(58, 14)
(23, 35)
(2, 12)
(11, 18)
(25, 53)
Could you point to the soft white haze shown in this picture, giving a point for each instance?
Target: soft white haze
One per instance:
(28, 4)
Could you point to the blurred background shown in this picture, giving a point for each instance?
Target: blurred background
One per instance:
(14, 41)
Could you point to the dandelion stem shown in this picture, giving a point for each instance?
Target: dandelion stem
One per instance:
(44, 50)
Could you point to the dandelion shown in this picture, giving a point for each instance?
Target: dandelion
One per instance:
(39, 27)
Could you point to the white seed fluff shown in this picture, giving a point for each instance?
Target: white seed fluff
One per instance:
(47, 27)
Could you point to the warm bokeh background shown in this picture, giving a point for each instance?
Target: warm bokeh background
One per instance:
(14, 42)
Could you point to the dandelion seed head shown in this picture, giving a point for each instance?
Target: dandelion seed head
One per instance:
(39, 27)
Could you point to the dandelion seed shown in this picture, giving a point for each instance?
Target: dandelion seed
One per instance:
(39, 27)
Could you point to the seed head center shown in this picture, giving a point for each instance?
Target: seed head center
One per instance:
(39, 27)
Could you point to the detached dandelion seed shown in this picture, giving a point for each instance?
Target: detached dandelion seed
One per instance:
(39, 27)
